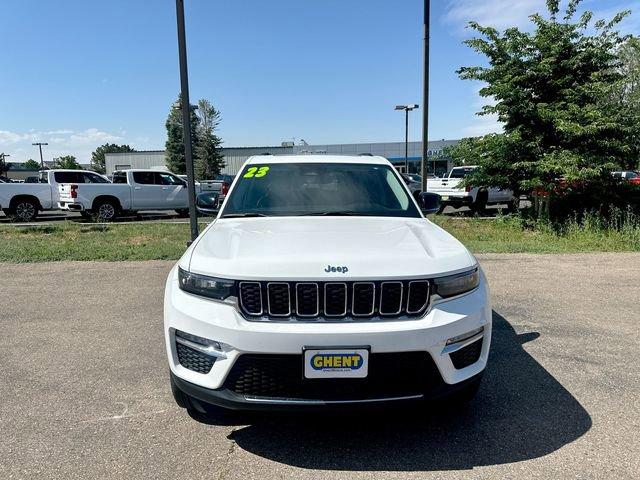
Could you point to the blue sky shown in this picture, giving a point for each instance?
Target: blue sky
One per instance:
(81, 73)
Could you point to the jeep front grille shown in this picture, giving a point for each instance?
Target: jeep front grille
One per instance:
(307, 301)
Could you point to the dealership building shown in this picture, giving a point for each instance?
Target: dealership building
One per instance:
(438, 162)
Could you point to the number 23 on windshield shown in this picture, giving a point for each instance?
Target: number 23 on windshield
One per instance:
(256, 172)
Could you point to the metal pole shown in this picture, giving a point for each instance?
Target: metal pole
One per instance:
(41, 158)
(425, 95)
(186, 121)
(406, 140)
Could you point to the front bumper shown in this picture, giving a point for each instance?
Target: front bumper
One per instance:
(238, 336)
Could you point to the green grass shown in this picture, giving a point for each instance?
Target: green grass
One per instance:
(161, 241)
(512, 235)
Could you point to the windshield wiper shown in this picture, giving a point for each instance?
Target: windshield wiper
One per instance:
(338, 213)
(243, 215)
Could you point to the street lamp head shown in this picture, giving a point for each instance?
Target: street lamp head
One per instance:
(401, 107)
(413, 106)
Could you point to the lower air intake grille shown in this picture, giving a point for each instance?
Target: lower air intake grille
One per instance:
(193, 359)
(281, 376)
(467, 355)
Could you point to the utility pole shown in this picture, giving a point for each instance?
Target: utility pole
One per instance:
(39, 145)
(425, 95)
(407, 109)
(186, 120)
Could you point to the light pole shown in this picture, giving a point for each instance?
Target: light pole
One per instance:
(407, 109)
(425, 95)
(3, 157)
(39, 145)
(186, 120)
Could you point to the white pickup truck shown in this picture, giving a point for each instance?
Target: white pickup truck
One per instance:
(21, 202)
(131, 190)
(476, 198)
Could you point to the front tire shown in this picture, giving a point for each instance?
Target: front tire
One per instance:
(480, 205)
(23, 211)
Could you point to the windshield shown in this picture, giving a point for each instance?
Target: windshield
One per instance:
(291, 189)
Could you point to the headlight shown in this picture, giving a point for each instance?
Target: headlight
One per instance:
(211, 287)
(457, 284)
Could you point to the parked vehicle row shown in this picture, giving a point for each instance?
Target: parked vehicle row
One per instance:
(22, 202)
(96, 196)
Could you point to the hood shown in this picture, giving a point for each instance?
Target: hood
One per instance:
(304, 248)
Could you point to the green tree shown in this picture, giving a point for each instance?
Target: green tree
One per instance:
(551, 88)
(174, 146)
(31, 164)
(67, 162)
(209, 160)
(98, 156)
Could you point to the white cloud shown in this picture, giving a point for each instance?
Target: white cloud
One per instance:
(496, 13)
(503, 14)
(61, 142)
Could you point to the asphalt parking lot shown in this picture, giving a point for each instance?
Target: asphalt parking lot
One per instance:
(85, 387)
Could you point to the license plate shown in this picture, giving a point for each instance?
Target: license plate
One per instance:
(336, 363)
(444, 197)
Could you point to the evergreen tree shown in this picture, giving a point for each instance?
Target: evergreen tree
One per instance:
(209, 160)
(174, 146)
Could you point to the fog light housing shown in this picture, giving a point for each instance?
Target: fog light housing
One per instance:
(203, 345)
(465, 336)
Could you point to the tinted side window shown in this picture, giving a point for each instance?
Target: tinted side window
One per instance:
(119, 177)
(144, 178)
(168, 179)
(69, 177)
(93, 178)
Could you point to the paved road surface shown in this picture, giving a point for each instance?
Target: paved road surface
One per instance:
(85, 394)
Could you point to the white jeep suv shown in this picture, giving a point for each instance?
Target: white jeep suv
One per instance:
(321, 283)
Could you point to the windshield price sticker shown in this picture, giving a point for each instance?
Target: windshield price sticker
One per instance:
(256, 172)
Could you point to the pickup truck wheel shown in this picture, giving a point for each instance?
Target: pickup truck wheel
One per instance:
(182, 212)
(23, 211)
(105, 211)
(86, 214)
(480, 205)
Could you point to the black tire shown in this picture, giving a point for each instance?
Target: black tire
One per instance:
(182, 212)
(105, 210)
(480, 205)
(514, 205)
(25, 210)
(86, 214)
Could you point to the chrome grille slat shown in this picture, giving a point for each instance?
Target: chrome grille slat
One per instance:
(344, 289)
(274, 304)
(248, 292)
(359, 294)
(422, 305)
(386, 293)
(300, 294)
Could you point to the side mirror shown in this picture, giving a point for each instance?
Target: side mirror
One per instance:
(207, 203)
(429, 202)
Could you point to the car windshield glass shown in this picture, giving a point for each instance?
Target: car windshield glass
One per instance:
(292, 189)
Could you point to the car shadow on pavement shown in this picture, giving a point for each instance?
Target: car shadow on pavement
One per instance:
(521, 412)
